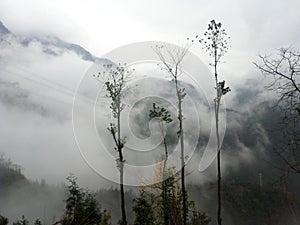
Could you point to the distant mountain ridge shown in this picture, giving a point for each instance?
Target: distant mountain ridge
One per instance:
(3, 29)
(50, 44)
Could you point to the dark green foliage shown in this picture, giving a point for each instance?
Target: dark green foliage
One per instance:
(144, 214)
(163, 116)
(257, 205)
(160, 113)
(3, 220)
(247, 203)
(298, 110)
(9, 173)
(37, 222)
(105, 218)
(199, 218)
(22, 221)
(82, 207)
(164, 200)
(173, 200)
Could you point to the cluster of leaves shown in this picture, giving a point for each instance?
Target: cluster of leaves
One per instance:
(82, 207)
(160, 113)
(3, 220)
(163, 199)
(215, 40)
(22, 221)
(119, 142)
(114, 81)
(114, 88)
(222, 90)
(181, 93)
(143, 210)
(7, 163)
(199, 218)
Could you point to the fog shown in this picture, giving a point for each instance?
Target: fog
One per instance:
(41, 71)
(37, 89)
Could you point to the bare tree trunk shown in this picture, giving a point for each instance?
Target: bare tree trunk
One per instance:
(184, 206)
(120, 147)
(124, 221)
(216, 44)
(219, 189)
(217, 106)
(164, 188)
(174, 70)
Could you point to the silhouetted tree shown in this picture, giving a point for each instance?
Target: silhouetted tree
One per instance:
(199, 218)
(153, 194)
(22, 221)
(3, 220)
(171, 59)
(82, 207)
(215, 42)
(37, 222)
(163, 116)
(284, 69)
(142, 208)
(115, 85)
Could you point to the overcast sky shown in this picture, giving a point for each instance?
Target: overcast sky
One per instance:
(100, 26)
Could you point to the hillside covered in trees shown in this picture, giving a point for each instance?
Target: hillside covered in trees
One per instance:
(244, 202)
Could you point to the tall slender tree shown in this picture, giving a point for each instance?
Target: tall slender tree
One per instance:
(171, 60)
(215, 42)
(115, 86)
(163, 116)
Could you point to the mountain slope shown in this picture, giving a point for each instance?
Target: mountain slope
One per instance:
(51, 45)
(3, 29)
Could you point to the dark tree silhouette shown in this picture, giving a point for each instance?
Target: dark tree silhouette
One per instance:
(171, 60)
(115, 86)
(3, 220)
(163, 116)
(22, 221)
(215, 42)
(82, 207)
(284, 71)
(144, 214)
